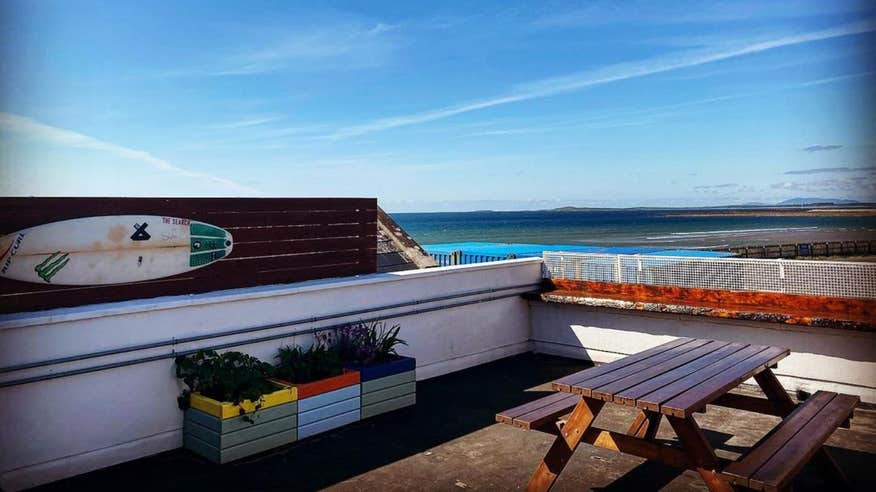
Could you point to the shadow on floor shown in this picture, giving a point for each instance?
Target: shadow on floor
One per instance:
(447, 407)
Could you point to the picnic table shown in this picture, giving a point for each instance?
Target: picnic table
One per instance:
(675, 380)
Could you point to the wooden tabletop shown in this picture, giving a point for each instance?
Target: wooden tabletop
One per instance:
(676, 378)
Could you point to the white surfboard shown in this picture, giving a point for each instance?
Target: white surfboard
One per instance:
(111, 249)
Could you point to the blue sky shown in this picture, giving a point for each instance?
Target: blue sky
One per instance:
(449, 106)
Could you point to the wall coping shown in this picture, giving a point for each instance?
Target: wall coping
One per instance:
(90, 311)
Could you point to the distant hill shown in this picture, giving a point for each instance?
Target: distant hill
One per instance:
(816, 201)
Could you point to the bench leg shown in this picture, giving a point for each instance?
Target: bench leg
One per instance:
(700, 452)
(564, 445)
(824, 460)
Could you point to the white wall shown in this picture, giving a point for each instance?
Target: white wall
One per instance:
(61, 427)
(821, 358)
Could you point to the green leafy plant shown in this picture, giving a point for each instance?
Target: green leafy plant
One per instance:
(297, 365)
(367, 343)
(229, 377)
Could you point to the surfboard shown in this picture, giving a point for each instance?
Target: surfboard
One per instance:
(111, 249)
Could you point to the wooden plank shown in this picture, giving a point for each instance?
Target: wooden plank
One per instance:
(389, 405)
(697, 397)
(328, 424)
(297, 231)
(508, 416)
(748, 403)
(546, 415)
(373, 397)
(328, 398)
(630, 395)
(388, 381)
(607, 391)
(318, 245)
(241, 436)
(34, 211)
(740, 471)
(787, 461)
(797, 307)
(653, 400)
(330, 410)
(587, 386)
(615, 441)
(223, 426)
(564, 383)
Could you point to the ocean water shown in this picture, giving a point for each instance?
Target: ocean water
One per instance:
(657, 228)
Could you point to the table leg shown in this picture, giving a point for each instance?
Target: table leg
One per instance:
(700, 451)
(645, 425)
(783, 403)
(564, 445)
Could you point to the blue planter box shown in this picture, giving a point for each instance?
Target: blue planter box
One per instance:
(403, 364)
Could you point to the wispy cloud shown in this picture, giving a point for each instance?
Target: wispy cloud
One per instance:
(840, 169)
(830, 80)
(863, 186)
(34, 129)
(718, 187)
(821, 148)
(247, 122)
(612, 73)
(332, 45)
(645, 12)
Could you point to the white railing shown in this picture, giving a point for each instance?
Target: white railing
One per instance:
(818, 278)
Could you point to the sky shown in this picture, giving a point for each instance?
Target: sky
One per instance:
(442, 106)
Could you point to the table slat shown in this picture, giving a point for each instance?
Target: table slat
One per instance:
(629, 396)
(607, 391)
(695, 398)
(586, 387)
(564, 383)
(653, 400)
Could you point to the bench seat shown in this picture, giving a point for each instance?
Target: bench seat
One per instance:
(772, 463)
(539, 413)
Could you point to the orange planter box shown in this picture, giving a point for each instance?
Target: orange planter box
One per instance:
(348, 378)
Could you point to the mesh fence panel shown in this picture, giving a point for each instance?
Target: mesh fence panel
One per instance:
(820, 278)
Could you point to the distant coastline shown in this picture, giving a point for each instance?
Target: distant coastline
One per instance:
(780, 212)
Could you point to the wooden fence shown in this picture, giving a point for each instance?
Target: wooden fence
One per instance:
(276, 240)
(804, 250)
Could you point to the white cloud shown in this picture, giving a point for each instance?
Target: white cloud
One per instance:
(612, 73)
(34, 129)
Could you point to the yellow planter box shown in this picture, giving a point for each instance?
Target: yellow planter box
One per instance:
(227, 410)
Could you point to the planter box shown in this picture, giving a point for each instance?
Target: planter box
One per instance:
(222, 439)
(225, 410)
(328, 403)
(389, 386)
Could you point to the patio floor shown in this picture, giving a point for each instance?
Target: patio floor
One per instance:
(449, 441)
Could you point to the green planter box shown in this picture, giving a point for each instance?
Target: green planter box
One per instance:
(223, 440)
(388, 387)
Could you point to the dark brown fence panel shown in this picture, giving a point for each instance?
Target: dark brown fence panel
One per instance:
(276, 240)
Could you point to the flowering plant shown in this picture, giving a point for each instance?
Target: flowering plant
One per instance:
(366, 343)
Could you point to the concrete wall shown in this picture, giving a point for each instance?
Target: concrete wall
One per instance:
(61, 427)
(821, 358)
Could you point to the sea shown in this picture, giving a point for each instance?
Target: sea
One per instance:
(670, 229)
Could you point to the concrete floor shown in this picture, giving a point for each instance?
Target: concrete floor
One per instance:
(449, 441)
